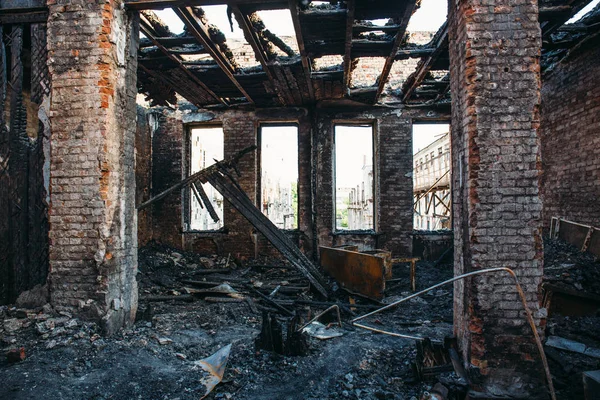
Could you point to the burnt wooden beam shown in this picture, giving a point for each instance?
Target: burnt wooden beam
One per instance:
(23, 15)
(362, 27)
(200, 32)
(161, 4)
(293, 4)
(405, 54)
(199, 176)
(5, 262)
(415, 79)
(553, 17)
(350, 7)
(389, 62)
(18, 167)
(199, 192)
(146, 29)
(261, 55)
(170, 41)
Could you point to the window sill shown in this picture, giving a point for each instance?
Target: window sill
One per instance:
(213, 233)
(362, 232)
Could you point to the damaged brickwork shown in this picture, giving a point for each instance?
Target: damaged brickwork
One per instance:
(93, 252)
(393, 183)
(570, 140)
(495, 84)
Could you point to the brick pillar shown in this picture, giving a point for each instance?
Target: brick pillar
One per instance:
(495, 83)
(93, 226)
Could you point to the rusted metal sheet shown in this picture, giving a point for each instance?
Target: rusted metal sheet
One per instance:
(358, 273)
(387, 260)
(569, 302)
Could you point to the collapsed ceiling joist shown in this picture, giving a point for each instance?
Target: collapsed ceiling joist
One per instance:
(200, 59)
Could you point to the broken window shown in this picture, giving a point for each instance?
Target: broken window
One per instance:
(279, 174)
(206, 146)
(354, 200)
(431, 182)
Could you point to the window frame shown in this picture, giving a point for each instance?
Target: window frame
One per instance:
(375, 189)
(259, 182)
(186, 191)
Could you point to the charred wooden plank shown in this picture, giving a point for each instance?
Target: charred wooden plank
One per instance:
(5, 261)
(161, 4)
(200, 32)
(424, 66)
(405, 54)
(410, 7)
(245, 206)
(23, 16)
(146, 29)
(348, 47)
(18, 166)
(259, 51)
(200, 175)
(209, 207)
(301, 48)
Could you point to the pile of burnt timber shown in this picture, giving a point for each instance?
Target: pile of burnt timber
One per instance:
(220, 177)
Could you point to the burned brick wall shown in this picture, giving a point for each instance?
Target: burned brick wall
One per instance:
(166, 170)
(392, 180)
(570, 141)
(143, 173)
(495, 84)
(93, 224)
(24, 146)
(393, 149)
(240, 129)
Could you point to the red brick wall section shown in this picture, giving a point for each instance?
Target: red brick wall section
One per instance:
(495, 83)
(315, 184)
(393, 182)
(93, 253)
(570, 122)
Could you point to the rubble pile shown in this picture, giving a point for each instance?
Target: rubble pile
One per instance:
(568, 266)
(183, 318)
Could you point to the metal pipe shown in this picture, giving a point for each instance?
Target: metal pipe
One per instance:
(536, 336)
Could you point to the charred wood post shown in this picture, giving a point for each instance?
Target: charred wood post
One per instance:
(18, 165)
(5, 264)
(270, 337)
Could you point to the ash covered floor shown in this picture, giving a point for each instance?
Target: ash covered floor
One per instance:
(67, 358)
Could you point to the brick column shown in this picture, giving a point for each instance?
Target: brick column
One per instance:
(93, 253)
(495, 83)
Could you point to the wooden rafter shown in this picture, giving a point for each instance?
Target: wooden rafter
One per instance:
(301, 48)
(161, 4)
(415, 79)
(260, 53)
(348, 48)
(552, 18)
(200, 32)
(387, 67)
(146, 29)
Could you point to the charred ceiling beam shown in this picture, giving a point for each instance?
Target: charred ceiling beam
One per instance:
(301, 48)
(553, 17)
(200, 31)
(410, 7)
(363, 27)
(169, 42)
(424, 66)
(261, 54)
(405, 54)
(30, 15)
(348, 49)
(147, 29)
(161, 4)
